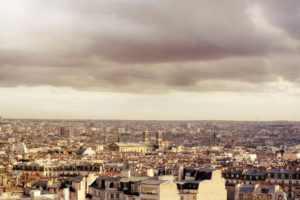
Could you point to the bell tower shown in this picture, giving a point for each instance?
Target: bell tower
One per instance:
(146, 136)
(159, 139)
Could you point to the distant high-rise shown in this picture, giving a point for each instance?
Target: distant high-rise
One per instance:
(67, 132)
(91, 124)
(62, 131)
(188, 125)
(72, 132)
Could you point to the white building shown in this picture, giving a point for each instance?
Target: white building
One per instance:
(18, 148)
(259, 191)
(158, 188)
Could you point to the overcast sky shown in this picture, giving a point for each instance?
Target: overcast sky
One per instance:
(150, 59)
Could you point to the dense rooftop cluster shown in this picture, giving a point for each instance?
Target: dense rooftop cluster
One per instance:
(56, 159)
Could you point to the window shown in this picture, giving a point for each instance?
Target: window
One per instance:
(265, 190)
(259, 197)
(250, 197)
(117, 196)
(111, 196)
(111, 185)
(149, 190)
(240, 196)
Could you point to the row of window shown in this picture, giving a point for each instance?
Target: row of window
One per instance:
(69, 168)
(259, 197)
(108, 195)
(149, 190)
(269, 176)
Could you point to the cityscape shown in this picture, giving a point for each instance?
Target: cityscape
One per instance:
(149, 100)
(110, 159)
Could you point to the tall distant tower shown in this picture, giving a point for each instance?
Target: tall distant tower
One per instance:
(1, 122)
(117, 136)
(105, 139)
(62, 131)
(120, 137)
(159, 139)
(67, 132)
(146, 136)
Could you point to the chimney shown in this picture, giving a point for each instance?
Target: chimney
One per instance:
(34, 194)
(150, 172)
(66, 193)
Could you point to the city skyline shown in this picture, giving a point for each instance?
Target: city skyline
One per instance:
(149, 100)
(165, 60)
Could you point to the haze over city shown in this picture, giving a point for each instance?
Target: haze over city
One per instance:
(149, 100)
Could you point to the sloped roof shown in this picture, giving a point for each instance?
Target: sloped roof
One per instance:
(153, 182)
(81, 151)
(247, 188)
(134, 144)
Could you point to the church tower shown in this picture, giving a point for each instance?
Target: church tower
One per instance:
(159, 140)
(146, 136)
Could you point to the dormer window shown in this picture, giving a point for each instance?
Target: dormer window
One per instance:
(241, 197)
(250, 197)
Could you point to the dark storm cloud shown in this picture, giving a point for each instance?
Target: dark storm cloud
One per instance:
(285, 14)
(154, 78)
(166, 31)
(146, 46)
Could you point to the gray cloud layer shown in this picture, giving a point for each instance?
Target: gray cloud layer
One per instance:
(150, 46)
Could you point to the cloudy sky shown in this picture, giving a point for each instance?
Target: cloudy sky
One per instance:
(150, 59)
